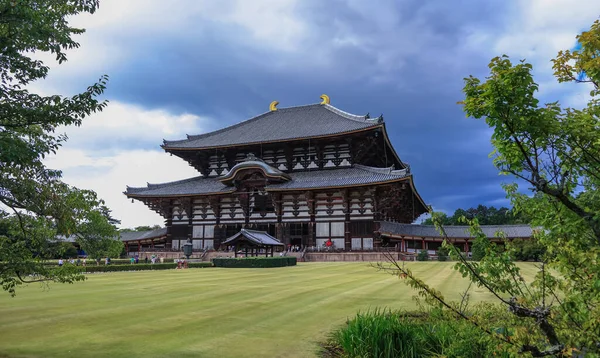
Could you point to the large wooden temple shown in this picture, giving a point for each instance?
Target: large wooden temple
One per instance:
(310, 176)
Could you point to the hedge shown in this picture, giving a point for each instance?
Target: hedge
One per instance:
(254, 262)
(141, 267)
(90, 261)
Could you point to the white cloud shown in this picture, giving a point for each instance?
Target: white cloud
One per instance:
(124, 125)
(108, 176)
(538, 30)
(111, 164)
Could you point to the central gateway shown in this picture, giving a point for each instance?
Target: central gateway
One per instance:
(311, 176)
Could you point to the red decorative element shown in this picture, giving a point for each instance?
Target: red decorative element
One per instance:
(328, 243)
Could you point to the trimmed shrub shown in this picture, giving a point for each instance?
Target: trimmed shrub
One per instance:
(141, 267)
(92, 262)
(254, 262)
(442, 253)
(423, 255)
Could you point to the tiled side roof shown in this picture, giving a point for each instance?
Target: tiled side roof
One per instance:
(397, 229)
(258, 237)
(357, 175)
(143, 235)
(283, 124)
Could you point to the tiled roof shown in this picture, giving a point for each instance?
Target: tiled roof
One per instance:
(143, 235)
(397, 229)
(257, 237)
(312, 120)
(255, 163)
(357, 175)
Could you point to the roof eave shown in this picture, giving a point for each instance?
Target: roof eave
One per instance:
(366, 129)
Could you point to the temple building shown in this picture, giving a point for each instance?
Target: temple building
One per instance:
(311, 176)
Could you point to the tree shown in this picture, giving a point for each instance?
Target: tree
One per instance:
(98, 238)
(36, 205)
(485, 216)
(141, 228)
(556, 151)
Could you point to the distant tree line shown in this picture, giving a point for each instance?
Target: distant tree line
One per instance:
(485, 216)
(140, 228)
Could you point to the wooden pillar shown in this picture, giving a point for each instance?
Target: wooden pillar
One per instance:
(189, 208)
(310, 200)
(423, 247)
(215, 205)
(402, 245)
(139, 246)
(346, 209)
(278, 206)
(467, 247)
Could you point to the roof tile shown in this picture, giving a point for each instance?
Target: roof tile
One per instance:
(312, 120)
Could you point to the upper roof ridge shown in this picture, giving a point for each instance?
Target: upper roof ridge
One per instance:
(351, 116)
(388, 170)
(161, 185)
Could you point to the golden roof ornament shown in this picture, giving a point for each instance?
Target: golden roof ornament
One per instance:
(325, 99)
(273, 106)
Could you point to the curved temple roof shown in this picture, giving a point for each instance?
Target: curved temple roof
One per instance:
(267, 170)
(354, 176)
(411, 230)
(260, 238)
(314, 120)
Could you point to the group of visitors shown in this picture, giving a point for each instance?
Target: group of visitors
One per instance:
(156, 259)
(181, 263)
(72, 261)
(294, 248)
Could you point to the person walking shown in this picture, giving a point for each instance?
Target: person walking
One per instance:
(60, 262)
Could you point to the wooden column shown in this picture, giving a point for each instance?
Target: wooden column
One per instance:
(346, 210)
(423, 247)
(278, 206)
(467, 247)
(310, 199)
(215, 205)
(188, 205)
(402, 245)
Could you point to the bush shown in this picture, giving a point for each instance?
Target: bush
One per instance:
(254, 262)
(442, 253)
(92, 262)
(401, 334)
(528, 249)
(141, 267)
(423, 255)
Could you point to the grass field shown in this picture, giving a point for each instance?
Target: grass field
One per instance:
(211, 312)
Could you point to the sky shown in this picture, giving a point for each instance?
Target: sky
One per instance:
(192, 66)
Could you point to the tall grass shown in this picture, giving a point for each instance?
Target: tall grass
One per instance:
(385, 334)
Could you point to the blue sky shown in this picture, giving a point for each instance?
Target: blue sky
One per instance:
(193, 66)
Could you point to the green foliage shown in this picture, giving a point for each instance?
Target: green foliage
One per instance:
(254, 262)
(442, 253)
(423, 255)
(36, 206)
(381, 333)
(478, 248)
(141, 228)
(556, 152)
(141, 267)
(528, 250)
(484, 215)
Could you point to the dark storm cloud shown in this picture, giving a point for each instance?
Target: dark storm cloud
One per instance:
(403, 59)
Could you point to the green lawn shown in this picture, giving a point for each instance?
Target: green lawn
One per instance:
(211, 312)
